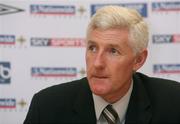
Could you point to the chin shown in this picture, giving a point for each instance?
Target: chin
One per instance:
(99, 90)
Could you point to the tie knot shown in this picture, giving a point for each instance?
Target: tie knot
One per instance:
(110, 114)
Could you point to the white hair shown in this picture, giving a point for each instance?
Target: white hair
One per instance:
(120, 17)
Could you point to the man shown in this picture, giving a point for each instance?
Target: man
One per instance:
(116, 48)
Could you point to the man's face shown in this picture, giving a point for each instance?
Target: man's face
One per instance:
(110, 62)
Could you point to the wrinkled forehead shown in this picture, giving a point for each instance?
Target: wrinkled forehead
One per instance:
(111, 37)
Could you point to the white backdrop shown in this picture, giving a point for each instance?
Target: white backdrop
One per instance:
(42, 44)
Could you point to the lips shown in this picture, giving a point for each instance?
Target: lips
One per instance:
(99, 76)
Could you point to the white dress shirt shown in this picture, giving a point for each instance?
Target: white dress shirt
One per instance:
(120, 107)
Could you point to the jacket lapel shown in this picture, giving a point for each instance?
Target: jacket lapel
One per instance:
(83, 108)
(139, 109)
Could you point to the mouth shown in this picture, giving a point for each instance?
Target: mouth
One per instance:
(100, 76)
(99, 79)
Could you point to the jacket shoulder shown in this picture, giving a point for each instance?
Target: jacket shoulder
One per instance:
(159, 88)
(64, 90)
(146, 80)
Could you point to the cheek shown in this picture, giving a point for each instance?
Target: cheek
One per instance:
(88, 63)
(87, 59)
(121, 68)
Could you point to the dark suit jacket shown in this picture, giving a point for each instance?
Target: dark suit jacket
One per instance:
(153, 101)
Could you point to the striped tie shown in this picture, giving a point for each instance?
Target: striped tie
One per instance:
(110, 114)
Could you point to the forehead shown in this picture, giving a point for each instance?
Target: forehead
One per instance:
(110, 36)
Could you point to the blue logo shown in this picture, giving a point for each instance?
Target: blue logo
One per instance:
(5, 75)
(166, 68)
(52, 9)
(54, 72)
(140, 7)
(7, 39)
(166, 6)
(7, 103)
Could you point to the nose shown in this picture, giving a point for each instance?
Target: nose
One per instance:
(99, 61)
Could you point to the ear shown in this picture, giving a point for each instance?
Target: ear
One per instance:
(140, 60)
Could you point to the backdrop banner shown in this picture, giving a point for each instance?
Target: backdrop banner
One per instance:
(42, 43)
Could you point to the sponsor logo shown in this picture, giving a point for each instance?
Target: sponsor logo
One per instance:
(166, 68)
(53, 72)
(22, 103)
(166, 6)
(52, 9)
(6, 9)
(13, 104)
(12, 40)
(21, 40)
(5, 75)
(81, 10)
(82, 71)
(166, 38)
(7, 39)
(60, 42)
(140, 7)
(7, 103)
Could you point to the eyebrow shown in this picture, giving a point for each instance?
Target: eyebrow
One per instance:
(111, 45)
(90, 41)
(115, 45)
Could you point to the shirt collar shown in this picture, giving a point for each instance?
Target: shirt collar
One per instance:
(120, 106)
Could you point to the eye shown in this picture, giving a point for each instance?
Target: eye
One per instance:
(114, 51)
(92, 48)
